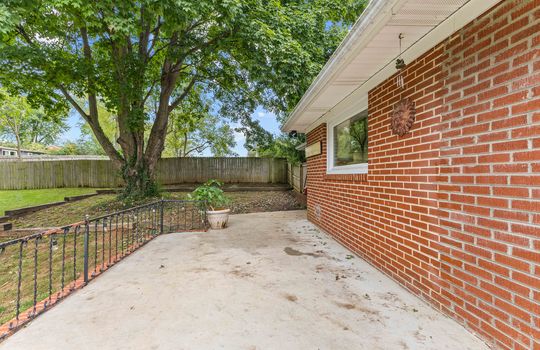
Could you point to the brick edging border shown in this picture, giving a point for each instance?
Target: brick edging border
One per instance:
(15, 213)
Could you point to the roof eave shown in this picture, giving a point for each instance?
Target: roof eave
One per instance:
(374, 9)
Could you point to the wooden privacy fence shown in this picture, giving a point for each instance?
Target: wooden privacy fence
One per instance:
(297, 176)
(34, 174)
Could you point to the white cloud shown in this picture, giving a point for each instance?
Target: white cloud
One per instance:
(265, 114)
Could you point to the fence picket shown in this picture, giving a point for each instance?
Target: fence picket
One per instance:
(42, 173)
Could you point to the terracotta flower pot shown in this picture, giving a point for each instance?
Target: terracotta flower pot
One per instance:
(218, 218)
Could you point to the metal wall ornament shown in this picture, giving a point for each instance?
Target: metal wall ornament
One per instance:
(403, 117)
(404, 112)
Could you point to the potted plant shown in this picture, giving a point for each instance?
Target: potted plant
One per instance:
(217, 212)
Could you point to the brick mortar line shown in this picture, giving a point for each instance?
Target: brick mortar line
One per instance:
(513, 293)
(401, 237)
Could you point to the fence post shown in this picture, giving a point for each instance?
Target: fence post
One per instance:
(162, 209)
(86, 242)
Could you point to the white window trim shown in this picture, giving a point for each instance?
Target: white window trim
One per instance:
(361, 168)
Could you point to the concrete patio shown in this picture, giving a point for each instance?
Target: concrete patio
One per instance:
(269, 281)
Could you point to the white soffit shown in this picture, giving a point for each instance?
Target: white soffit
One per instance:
(372, 46)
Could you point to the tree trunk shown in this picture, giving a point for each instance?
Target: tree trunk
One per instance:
(185, 144)
(139, 182)
(17, 132)
(18, 138)
(137, 170)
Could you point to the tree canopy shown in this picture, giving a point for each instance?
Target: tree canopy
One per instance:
(143, 59)
(26, 126)
(282, 146)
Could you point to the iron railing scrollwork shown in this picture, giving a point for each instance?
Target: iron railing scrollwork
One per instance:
(38, 270)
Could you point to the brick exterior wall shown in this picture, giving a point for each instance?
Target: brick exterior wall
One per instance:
(451, 209)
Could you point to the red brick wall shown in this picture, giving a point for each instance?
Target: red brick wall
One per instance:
(451, 209)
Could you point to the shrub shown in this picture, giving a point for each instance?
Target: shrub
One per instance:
(212, 194)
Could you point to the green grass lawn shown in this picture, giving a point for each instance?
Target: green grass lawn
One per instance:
(14, 199)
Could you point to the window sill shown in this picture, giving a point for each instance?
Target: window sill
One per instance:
(353, 169)
(355, 172)
(346, 177)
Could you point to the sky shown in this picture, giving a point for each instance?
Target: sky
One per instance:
(267, 120)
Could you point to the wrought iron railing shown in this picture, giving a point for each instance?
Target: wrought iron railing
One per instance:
(38, 270)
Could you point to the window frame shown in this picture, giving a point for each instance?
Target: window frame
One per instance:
(360, 168)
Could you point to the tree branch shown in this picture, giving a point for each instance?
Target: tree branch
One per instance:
(199, 148)
(155, 37)
(92, 100)
(144, 37)
(156, 141)
(93, 116)
(150, 89)
(183, 95)
(73, 103)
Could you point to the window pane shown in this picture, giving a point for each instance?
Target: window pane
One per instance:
(351, 141)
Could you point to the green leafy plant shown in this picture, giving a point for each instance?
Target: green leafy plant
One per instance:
(212, 194)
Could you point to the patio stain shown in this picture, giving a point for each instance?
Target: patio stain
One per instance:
(294, 252)
(363, 309)
(291, 297)
(346, 305)
(241, 273)
(287, 303)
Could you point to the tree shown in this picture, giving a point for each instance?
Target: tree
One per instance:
(41, 130)
(282, 146)
(142, 59)
(82, 146)
(193, 128)
(14, 114)
(20, 123)
(193, 137)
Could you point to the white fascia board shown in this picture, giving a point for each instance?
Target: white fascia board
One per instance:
(374, 17)
(301, 147)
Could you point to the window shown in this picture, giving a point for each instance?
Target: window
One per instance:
(8, 153)
(348, 141)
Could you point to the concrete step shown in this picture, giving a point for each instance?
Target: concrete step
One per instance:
(6, 226)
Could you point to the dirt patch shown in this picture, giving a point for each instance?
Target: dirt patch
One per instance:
(68, 213)
(241, 203)
(257, 201)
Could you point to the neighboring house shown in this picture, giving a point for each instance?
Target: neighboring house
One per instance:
(13, 152)
(451, 208)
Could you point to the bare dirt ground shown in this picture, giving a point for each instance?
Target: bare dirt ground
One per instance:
(241, 203)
